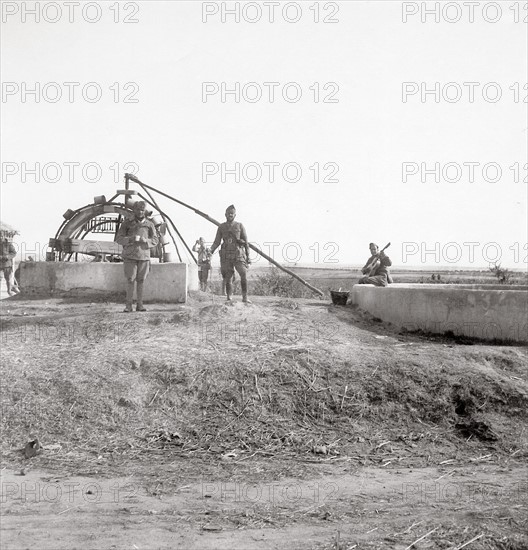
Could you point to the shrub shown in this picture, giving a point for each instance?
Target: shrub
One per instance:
(503, 275)
(277, 283)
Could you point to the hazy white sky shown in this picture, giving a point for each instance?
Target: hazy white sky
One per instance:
(367, 131)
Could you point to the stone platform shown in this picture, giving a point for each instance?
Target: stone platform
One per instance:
(488, 312)
(167, 282)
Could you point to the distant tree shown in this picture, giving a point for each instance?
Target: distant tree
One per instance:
(503, 275)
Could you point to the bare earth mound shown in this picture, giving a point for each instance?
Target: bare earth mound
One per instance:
(284, 423)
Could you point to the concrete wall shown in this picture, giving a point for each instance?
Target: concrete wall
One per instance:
(192, 277)
(167, 282)
(476, 311)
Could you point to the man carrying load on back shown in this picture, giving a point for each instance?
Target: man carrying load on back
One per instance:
(204, 262)
(234, 253)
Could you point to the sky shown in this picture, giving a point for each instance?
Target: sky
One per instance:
(387, 123)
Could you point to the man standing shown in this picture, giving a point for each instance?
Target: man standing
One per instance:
(234, 253)
(379, 276)
(7, 253)
(233, 281)
(137, 235)
(204, 262)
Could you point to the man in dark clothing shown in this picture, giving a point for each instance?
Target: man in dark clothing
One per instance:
(234, 253)
(380, 275)
(7, 253)
(137, 235)
(233, 282)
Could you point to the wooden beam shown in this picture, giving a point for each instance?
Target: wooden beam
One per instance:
(84, 246)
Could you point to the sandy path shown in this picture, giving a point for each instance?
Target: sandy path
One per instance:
(367, 506)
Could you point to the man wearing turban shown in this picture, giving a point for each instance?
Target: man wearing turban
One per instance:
(380, 276)
(137, 235)
(234, 253)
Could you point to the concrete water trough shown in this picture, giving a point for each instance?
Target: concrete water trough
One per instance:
(487, 312)
(167, 282)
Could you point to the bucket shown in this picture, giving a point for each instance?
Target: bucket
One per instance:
(68, 214)
(169, 257)
(339, 298)
(100, 199)
(50, 256)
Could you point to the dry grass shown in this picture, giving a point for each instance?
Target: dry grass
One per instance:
(444, 537)
(173, 396)
(164, 388)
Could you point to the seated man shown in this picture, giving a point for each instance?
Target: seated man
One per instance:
(376, 270)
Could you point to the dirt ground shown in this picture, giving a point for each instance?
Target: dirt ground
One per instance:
(280, 424)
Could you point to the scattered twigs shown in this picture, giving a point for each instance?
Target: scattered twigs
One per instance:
(344, 395)
(408, 530)
(155, 395)
(72, 508)
(257, 386)
(252, 455)
(421, 538)
(446, 474)
(308, 382)
(469, 541)
(483, 457)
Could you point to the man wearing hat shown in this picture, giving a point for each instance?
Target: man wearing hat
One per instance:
(137, 236)
(380, 276)
(234, 253)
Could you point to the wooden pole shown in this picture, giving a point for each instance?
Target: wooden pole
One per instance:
(286, 270)
(217, 223)
(153, 203)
